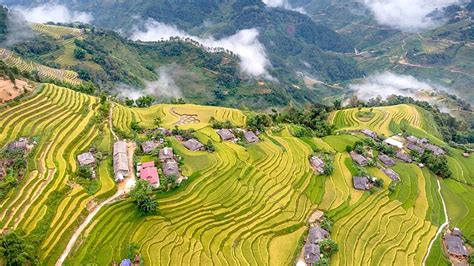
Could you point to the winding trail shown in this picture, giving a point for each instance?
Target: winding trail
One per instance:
(123, 189)
(441, 227)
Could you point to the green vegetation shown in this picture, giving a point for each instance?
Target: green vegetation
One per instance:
(142, 194)
(16, 250)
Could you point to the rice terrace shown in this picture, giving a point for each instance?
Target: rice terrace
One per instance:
(120, 145)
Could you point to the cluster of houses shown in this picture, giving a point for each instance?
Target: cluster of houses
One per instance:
(311, 249)
(454, 246)
(169, 163)
(228, 135)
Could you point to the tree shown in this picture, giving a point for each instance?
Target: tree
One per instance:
(157, 121)
(16, 250)
(79, 53)
(378, 182)
(143, 196)
(337, 104)
(129, 102)
(145, 101)
(84, 172)
(328, 167)
(133, 249)
(328, 247)
(209, 146)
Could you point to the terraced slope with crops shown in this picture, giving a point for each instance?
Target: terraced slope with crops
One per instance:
(47, 204)
(46, 72)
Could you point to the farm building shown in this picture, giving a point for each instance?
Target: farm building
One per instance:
(86, 159)
(416, 148)
(416, 141)
(226, 134)
(455, 246)
(164, 131)
(394, 142)
(404, 157)
(193, 145)
(120, 160)
(385, 159)
(434, 149)
(369, 133)
(317, 164)
(317, 234)
(312, 253)
(250, 137)
(171, 168)
(166, 154)
(392, 174)
(20, 144)
(149, 146)
(361, 182)
(149, 172)
(359, 159)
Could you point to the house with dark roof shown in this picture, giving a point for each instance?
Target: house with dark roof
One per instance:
(434, 149)
(171, 168)
(391, 174)
(403, 156)
(226, 134)
(385, 159)
(86, 159)
(317, 164)
(317, 234)
(359, 159)
(250, 137)
(193, 145)
(361, 182)
(149, 146)
(369, 133)
(455, 246)
(164, 131)
(120, 160)
(166, 154)
(416, 148)
(312, 253)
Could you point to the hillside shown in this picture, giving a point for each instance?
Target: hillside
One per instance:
(241, 204)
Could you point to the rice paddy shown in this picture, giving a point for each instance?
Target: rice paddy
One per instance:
(241, 205)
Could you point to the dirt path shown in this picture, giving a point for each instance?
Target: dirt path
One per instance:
(123, 189)
(440, 229)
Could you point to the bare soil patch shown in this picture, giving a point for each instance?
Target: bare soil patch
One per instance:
(10, 90)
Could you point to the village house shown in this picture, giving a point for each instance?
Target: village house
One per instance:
(171, 168)
(166, 154)
(86, 159)
(164, 131)
(359, 159)
(21, 144)
(403, 156)
(120, 160)
(361, 182)
(416, 141)
(416, 148)
(317, 234)
(226, 134)
(369, 133)
(149, 172)
(250, 137)
(392, 174)
(434, 149)
(193, 145)
(317, 164)
(392, 141)
(312, 253)
(385, 159)
(455, 245)
(149, 146)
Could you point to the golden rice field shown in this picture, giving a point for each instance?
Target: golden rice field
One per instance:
(13, 60)
(56, 31)
(242, 205)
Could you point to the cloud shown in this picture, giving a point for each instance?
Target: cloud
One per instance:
(164, 87)
(245, 43)
(406, 15)
(388, 83)
(19, 29)
(53, 13)
(284, 4)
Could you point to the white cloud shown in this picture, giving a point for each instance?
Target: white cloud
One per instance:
(245, 43)
(284, 4)
(388, 83)
(406, 15)
(53, 13)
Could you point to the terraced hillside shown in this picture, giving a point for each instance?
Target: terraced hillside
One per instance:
(56, 31)
(47, 204)
(240, 206)
(46, 72)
